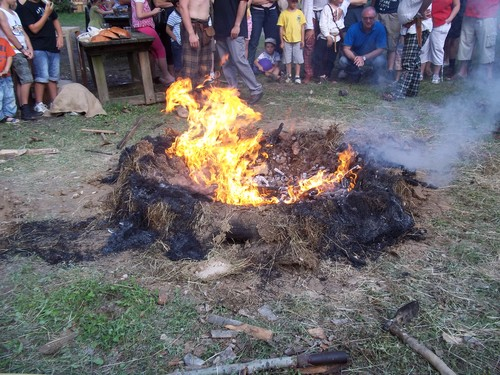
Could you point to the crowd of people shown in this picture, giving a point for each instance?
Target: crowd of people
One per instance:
(394, 42)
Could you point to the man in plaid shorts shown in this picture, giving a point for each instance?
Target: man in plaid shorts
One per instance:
(415, 17)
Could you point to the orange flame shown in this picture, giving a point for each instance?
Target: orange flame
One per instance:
(217, 154)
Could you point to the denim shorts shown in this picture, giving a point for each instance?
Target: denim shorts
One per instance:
(46, 66)
(22, 68)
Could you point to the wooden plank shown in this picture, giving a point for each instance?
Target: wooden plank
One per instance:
(100, 78)
(98, 131)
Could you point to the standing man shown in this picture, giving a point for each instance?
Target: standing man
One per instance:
(479, 29)
(44, 30)
(12, 30)
(264, 16)
(354, 11)
(196, 47)
(364, 44)
(230, 31)
(413, 15)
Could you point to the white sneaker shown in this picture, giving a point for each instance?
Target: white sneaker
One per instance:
(297, 80)
(421, 77)
(40, 107)
(435, 79)
(288, 79)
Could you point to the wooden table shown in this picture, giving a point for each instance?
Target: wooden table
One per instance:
(117, 20)
(138, 44)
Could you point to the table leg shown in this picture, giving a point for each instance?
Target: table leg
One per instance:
(132, 63)
(68, 33)
(147, 79)
(100, 78)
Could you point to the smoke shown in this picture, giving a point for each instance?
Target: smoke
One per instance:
(450, 131)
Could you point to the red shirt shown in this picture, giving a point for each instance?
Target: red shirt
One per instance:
(5, 52)
(482, 8)
(441, 10)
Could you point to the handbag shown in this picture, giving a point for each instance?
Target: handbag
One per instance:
(207, 35)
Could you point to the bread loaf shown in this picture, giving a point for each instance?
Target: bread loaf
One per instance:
(108, 34)
(120, 32)
(99, 38)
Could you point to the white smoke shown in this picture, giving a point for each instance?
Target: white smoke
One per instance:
(456, 127)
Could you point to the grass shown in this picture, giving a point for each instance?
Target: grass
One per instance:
(121, 329)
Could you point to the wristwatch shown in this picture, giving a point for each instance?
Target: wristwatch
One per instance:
(364, 58)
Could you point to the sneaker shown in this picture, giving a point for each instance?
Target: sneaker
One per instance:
(435, 79)
(40, 108)
(27, 114)
(288, 79)
(421, 77)
(297, 80)
(342, 74)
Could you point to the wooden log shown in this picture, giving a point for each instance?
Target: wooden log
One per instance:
(101, 131)
(130, 133)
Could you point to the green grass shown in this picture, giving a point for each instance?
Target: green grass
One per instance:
(72, 19)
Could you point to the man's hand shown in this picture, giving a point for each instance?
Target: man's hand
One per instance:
(301, 44)
(49, 8)
(194, 40)
(359, 61)
(235, 31)
(60, 42)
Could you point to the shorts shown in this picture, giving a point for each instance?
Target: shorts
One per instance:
(46, 66)
(479, 34)
(22, 69)
(292, 53)
(433, 49)
(393, 28)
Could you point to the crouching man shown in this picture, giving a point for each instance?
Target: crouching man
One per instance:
(365, 44)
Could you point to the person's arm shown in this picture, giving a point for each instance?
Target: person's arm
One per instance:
(282, 43)
(104, 12)
(38, 25)
(141, 14)
(302, 36)
(194, 40)
(242, 9)
(162, 4)
(8, 64)
(170, 33)
(5, 27)
(256, 63)
(60, 36)
(454, 11)
(349, 53)
(376, 52)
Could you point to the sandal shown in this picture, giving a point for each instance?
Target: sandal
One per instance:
(11, 120)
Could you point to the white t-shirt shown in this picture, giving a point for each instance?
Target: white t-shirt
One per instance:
(16, 27)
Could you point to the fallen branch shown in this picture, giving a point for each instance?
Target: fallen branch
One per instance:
(12, 153)
(98, 131)
(236, 325)
(98, 152)
(300, 361)
(130, 133)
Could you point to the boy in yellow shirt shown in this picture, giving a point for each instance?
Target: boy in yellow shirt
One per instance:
(292, 25)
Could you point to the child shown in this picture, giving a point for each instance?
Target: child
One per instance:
(268, 61)
(97, 11)
(173, 29)
(8, 107)
(292, 25)
(44, 30)
(327, 45)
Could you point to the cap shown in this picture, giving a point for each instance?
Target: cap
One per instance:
(270, 40)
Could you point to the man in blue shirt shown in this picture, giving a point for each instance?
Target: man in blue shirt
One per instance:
(364, 45)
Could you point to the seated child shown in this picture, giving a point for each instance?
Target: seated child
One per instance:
(97, 12)
(268, 61)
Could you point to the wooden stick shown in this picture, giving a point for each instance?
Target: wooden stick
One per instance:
(130, 133)
(98, 131)
(421, 349)
(98, 152)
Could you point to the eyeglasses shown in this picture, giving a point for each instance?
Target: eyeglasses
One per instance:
(368, 18)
